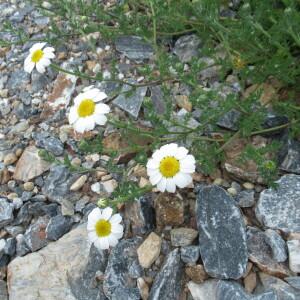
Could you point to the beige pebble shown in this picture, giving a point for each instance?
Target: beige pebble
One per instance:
(78, 184)
(106, 177)
(218, 181)
(12, 196)
(250, 282)
(28, 186)
(76, 161)
(248, 185)
(19, 152)
(232, 191)
(10, 158)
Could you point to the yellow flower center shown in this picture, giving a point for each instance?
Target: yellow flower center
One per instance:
(86, 108)
(169, 166)
(37, 55)
(103, 228)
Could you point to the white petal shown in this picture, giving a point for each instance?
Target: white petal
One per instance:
(92, 237)
(84, 124)
(113, 241)
(99, 96)
(106, 213)
(40, 68)
(102, 243)
(49, 55)
(37, 46)
(162, 184)
(182, 180)
(73, 115)
(181, 153)
(94, 215)
(102, 108)
(28, 65)
(91, 94)
(153, 172)
(100, 119)
(116, 218)
(87, 88)
(49, 50)
(116, 228)
(117, 235)
(158, 155)
(169, 149)
(189, 159)
(44, 61)
(91, 225)
(79, 98)
(155, 179)
(171, 186)
(152, 164)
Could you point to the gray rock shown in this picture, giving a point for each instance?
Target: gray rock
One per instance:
(283, 290)
(157, 98)
(222, 234)
(50, 143)
(10, 246)
(134, 48)
(117, 271)
(3, 290)
(260, 253)
(183, 236)
(2, 246)
(122, 293)
(6, 212)
(57, 227)
(294, 255)
(277, 244)
(141, 214)
(204, 291)
(86, 287)
(131, 103)
(227, 290)
(289, 156)
(187, 47)
(245, 198)
(35, 236)
(38, 209)
(230, 120)
(280, 208)
(21, 247)
(168, 282)
(135, 270)
(189, 254)
(293, 281)
(57, 183)
(18, 80)
(39, 81)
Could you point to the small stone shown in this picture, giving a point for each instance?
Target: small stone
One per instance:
(248, 185)
(143, 288)
(279, 208)
(230, 120)
(57, 227)
(3, 290)
(76, 161)
(218, 181)
(294, 281)
(12, 196)
(277, 244)
(6, 212)
(67, 208)
(149, 250)
(17, 202)
(189, 254)
(294, 255)
(10, 246)
(260, 254)
(250, 282)
(196, 273)
(80, 204)
(96, 187)
(134, 48)
(204, 291)
(78, 184)
(168, 282)
(187, 47)
(50, 143)
(35, 235)
(183, 102)
(10, 159)
(183, 236)
(245, 198)
(30, 165)
(109, 186)
(222, 234)
(2, 246)
(289, 156)
(28, 186)
(232, 191)
(169, 210)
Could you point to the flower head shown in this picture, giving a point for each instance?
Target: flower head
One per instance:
(171, 166)
(86, 112)
(38, 57)
(104, 228)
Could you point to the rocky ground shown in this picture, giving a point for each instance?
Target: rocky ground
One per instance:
(226, 237)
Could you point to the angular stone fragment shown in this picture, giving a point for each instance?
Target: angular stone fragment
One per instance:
(294, 255)
(6, 212)
(187, 47)
(183, 236)
(49, 269)
(289, 156)
(280, 208)
(277, 244)
(134, 48)
(167, 283)
(122, 256)
(149, 250)
(30, 165)
(293, 281)
(260, 253)
(57, 227)
(189, 254)
(222, 235)
(196, 273)
(204, 291)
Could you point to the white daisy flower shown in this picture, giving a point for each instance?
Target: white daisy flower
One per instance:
(104, 228)
(171, 166)
(86, 112)
(38, 57)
